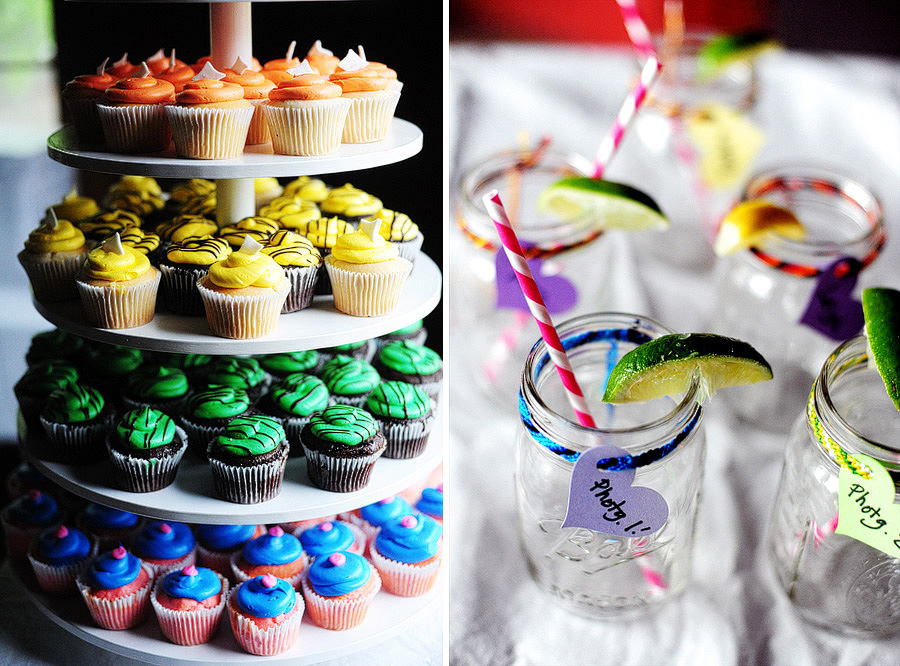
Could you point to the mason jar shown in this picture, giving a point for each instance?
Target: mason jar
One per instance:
(491, 327)
(794, 300)
(649, 455)
(835, 580)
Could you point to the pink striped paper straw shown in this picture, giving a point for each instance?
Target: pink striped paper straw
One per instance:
(510, 242)
(636, 28)
(610, 143)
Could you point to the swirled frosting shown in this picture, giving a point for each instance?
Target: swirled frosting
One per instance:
(53, 344)
(327, 537)
(409, 358)
(211, 92)
(185, 226)
(307, 188)
(198, 250)
(257, 227)
(255, 85)
(236, 371)
(378, 513)
(266, 596)
(54, 236)
(359, 80)
(105, 262)
(290, 362)
(46, 376)
(203, 206)
(177, 73)
(300, 394)
(396, 227)
(305, 87)
(112, 569)
(144, 242)
(74, 207)
(145, 428)
(242, 269)
(106, 517)
(350, 202)
(250, 435)
(190, 189)
(34, 508)
(290, 249)
(321, 59)
(146, 186)
(220, 402)
(159, 61)
(167, 540)
(343, 424)
(190, 582)
(122, 68)
(409, 539)
(345, 375)
(295, 209)
(140, 90)
(157, 383)
(73, 403)
(432, 502)
(225, 537)
(104, 224)
(62, 545)
(398, 400)
(358, 248)
(275, 547)
(114, 361)
(90, 85)
(338, 574)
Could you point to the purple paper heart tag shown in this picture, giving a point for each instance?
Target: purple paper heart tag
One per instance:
(832, 310)
(606, 502)
(558, 292)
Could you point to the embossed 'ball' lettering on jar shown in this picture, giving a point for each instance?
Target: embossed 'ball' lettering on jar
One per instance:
(606, 516)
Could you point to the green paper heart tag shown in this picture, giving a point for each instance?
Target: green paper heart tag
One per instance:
(866, 509)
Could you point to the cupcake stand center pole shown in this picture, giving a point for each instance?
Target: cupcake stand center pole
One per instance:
(230, 36)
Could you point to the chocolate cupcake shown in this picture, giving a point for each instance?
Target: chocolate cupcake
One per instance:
(241, 372)
(194, 366)
(404, 414)
(415, 332)
(247, 460)
(401, 231)
(349, 380)
(185, 262)
(411, 363)
(307, 188)
(342, 444)
(76, 419)
(156, 386)
(55, 344)
(104, 224)
(293, 400)
(257, 227)
(38, 382)
(302, 266)
(145, 449)
(106, 367)
(323, 233)
(207, 413)
(145, 242)
(287, 363)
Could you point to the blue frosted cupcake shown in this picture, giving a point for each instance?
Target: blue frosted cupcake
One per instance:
(339, 589)
(109, 527)
(165, 545)
(188, 603)
(26, 517)
(57, 556)
(276, 552)
(265, 614)
(407, 554)
(431, 503)
(330, 537)
(116, 588)
(217, 543)
(372, 516)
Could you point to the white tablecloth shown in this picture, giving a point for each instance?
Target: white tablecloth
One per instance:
(841, 109)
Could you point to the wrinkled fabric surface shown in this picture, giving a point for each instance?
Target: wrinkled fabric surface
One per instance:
(839, 108)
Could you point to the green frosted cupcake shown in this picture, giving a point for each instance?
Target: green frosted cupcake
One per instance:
(349, 380)
(293, 401)
(404, 414)
(145, 448)
(76, 419)
(247, 459)
(38, 382)
(207, 413)
(409, 362)
(106, 367)
(414, 332)
(361, 349)
(241, 372)
(287, 363)
(54, 344)
(160, 387)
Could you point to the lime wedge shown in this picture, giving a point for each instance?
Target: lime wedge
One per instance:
(749, 222)
(611, 205)
(724, 50)
(668, 365)
(881, 309)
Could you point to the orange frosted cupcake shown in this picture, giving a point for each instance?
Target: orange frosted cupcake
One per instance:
(174, 71)
(122, 68)
(373, 103)
(133, 115)
(243, 294)
(321, 59)
(158, 62)
(81, 97)
(256, 91)
(201, 62)
(276, 70)
(306, 114)
(117, 286)
(52, 256)
(367, 272)
(210, 117)
(382, 70)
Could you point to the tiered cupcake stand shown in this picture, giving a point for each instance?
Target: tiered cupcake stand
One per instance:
(191, 497)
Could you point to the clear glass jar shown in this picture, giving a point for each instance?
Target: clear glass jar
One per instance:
(491, 328)
(592, 573)
(763, 294)
(696, 143)
(834, 580)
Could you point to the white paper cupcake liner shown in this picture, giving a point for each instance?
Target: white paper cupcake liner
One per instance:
(138, 128)
(409, 249)
(340, 475)
(406, 439)
(303, 283)
(366, 293)
(312, 128)
(52, 280)
(240, 576)
(85, 119)
(243, 317)
(121, 306)
(358, 400)
(59, 579)
(370, 116)
(121, 613)
(79, 443)
(209, 133)
(160, 569)
(145, 475)
(193, 627)
(251, 484)
(340, 613)
(272, 640)
(258, 132)
(178, 288)
(406, 580)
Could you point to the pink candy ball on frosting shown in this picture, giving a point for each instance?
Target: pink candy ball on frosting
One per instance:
(276, 531)
(268, 580)
(326, 526)
(337, 559)
(387, 500)
(62, 532)
(165, 528)
(409, 522)
(189, 570)
(119, 553)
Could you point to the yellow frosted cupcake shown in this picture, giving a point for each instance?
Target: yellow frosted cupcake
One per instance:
(243, 294)
(367, 272)
(52, 256)
(350, 203)
(302, 264)
(283, 206)
(401, 231)
(257, 227)
(374, 102)
(307, 188)
(75, 207)
(117, 286)
(266, 190)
